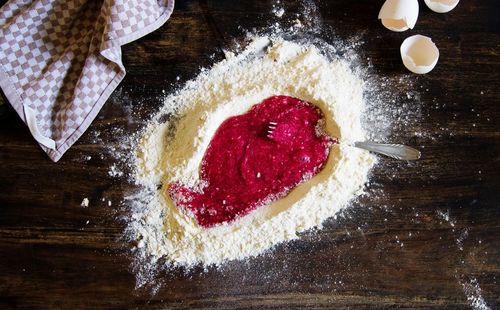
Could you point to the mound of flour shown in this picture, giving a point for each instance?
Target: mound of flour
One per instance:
(172, 146)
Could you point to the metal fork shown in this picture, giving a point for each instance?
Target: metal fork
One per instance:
(397, 151)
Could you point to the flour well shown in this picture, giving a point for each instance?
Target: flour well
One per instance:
(172, 150)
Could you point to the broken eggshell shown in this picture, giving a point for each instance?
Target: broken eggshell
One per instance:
(441, 6)
(419, 54)
(399, 15)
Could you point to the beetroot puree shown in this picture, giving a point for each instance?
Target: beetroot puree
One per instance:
(244, 169)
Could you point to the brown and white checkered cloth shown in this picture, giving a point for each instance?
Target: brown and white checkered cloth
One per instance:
(60, 60)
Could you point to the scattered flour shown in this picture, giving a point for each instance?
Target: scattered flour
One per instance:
(85, 202)
(469, 283)
(446, 217)
(474, 295)
(164, 236)
(172, 150)
(278, 9)
(114, 171)
(279, 12)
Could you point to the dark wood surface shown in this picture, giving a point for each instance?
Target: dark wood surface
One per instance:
(389, 250)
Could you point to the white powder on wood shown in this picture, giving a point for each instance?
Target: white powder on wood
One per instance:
(474, 294)
(85, 202)
(172, 150)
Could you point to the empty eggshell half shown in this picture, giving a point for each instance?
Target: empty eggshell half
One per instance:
(399, 15)
(419, 54)
(441, 6)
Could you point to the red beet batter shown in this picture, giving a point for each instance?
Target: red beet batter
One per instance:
(244, 169)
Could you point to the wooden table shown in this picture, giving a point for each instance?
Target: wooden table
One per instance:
(391, 250)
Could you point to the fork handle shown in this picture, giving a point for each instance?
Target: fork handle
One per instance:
(397, 151)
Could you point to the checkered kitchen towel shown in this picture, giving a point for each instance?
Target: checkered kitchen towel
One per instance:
(61, 59)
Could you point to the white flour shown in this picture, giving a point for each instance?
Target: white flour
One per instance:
(474, 294)
(172, 151)
(85, 202)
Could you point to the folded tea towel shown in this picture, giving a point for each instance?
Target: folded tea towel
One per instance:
(61, 59)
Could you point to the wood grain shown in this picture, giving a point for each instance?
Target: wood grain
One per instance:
(392, 249)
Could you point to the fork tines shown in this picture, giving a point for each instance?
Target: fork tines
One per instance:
(271, 126)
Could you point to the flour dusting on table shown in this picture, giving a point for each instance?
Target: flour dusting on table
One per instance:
(329, 74)
(172, 150)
